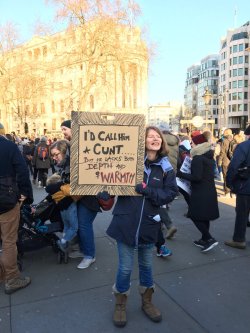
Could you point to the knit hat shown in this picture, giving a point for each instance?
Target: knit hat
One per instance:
(195, 133)
(66, 123)
(43, 139)
(247, 130)
(198, 139)
(2, 130)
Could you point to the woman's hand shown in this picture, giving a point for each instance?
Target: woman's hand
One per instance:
(142, 188)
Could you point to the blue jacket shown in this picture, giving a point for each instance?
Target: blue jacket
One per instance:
(132, 221)
(241, 158)
(13, 165)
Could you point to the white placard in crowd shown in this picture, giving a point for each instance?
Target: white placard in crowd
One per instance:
(186, 168)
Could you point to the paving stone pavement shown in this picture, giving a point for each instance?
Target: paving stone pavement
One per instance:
(196, 292)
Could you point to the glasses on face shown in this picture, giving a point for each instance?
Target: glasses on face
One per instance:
(55, 154)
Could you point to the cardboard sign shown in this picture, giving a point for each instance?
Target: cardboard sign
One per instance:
(186, 168)
(107, 153)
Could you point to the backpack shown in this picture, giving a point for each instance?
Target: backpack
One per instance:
(43, 153)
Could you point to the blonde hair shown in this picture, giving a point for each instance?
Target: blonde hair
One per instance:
(55, 178)
(227, 132)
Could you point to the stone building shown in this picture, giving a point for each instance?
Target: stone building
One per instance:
(102, 68)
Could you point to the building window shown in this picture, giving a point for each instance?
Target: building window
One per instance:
(235, 60)
(235, 48)
(245, 107)
(241, 47)
(240, 60)
(45, 51)
(235, 72)
(240, 95)
(246, 83)
(240, 107)
(246, 59)
(234, 84)
(91, 102)
(240, 71)
(245, 95)
(53, 107)
(246, 71)
(240, 83)
(234, 96)
(234, 107)
(42, 108)
(61, 106)
(53, 124)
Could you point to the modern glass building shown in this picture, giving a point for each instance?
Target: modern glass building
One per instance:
(234, 79)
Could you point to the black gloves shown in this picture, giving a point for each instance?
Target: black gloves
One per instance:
(142, 188)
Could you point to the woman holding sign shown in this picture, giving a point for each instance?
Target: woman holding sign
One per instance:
(136, 223)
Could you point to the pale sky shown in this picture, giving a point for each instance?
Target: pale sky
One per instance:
(183, 31)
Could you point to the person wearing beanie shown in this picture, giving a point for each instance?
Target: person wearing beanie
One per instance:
(203, 191)
(198, 139)
(66, 129)
(238, 180)
(195, 133)
(2, 130)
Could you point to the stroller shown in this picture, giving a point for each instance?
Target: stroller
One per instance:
(38, 227)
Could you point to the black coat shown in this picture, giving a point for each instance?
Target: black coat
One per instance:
(241, 158)
(13, 165)
(203, 199)
(132, 221)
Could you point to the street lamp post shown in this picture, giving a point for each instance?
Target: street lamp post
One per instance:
(207, 98)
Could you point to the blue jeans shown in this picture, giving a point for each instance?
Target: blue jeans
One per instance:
(85, 231)
(70, 221)
(126, 260)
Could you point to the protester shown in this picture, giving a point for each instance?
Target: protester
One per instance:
(42, 161)
(238, 180)
(87, 209)
(27, 155)
(58, 185)
(203, 205)
(136, 223)
(172, 141)
(224, 158)
(15, 188)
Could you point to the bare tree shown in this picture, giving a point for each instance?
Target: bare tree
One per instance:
(101, 31)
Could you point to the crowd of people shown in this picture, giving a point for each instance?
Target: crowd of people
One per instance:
(139, 223)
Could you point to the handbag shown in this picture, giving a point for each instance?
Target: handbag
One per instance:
(8, 194)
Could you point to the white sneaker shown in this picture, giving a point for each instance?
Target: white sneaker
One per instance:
(39, 184)
(75, 254)
(85, 263)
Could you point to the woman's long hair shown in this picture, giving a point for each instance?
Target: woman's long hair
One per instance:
(164, 150)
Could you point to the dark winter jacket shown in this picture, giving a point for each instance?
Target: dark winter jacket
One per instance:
(203, 199)
(13, 165)
(223, 159)
(133, 221)
(241, 159)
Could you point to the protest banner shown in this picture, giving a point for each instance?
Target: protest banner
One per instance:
(107, 153)
(186, 168)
